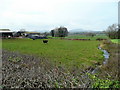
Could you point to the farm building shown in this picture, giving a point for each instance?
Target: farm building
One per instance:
(20, 33)
(25, 33)
(59, 32)
(6, 33)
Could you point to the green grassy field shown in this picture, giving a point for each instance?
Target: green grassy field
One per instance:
(67, 52)
(82, 37)
(116, 41)
(87, 37)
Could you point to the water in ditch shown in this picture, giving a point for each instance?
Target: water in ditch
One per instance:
(106, 57)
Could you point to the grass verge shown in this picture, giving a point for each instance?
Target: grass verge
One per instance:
(62, 52)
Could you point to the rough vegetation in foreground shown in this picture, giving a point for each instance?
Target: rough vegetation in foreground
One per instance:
(112, 68)
(25, 71)
(33, 72)
(109, 74)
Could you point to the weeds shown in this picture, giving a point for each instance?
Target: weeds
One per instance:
(14, 59)
(103, 83)
(108, 76)
(33, 72)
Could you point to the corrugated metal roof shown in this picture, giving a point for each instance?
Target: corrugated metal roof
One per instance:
(4, 29)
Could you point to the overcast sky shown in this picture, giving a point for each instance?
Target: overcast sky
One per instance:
(43, 15)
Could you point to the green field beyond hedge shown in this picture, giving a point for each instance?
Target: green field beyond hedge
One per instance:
(116, 41)
(86, 37)
(67, 52)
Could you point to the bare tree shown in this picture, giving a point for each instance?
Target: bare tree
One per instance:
(112, 31)
(22, 29)
(46, 34)
(90, 34)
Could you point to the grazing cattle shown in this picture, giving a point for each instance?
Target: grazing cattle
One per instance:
(45, 41)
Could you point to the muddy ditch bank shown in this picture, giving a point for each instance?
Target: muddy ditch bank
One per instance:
(25, 71)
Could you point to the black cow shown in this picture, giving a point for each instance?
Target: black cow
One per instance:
(45, 41)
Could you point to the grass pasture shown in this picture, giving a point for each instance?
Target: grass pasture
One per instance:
(86, 37)
(63, 52)
(116, 41)
(82, 37)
